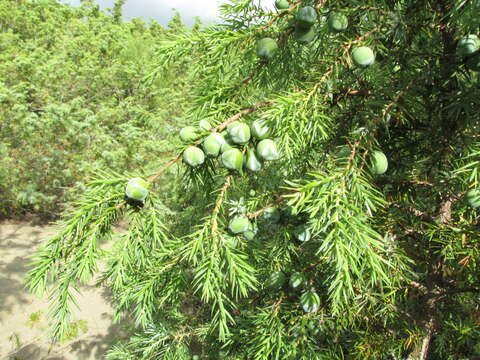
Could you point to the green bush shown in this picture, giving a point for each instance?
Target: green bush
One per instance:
(73, 100)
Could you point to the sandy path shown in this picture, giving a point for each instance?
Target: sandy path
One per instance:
(23, 320)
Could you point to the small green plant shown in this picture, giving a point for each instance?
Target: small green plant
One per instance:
(74, 330)
(34, 318)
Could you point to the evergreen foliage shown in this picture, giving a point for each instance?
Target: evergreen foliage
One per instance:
(390, 259)
(72, 101)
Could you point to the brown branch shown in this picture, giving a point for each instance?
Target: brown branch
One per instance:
(435, 296)
(246, 111)
(219, 202)
(284, 36)
(262, 210)
(249, 78)
(320, 4)
(428, 338)
(349, 92)
(459, 291)
(432, 323)
(405, 182)
(422, 288)
(120, 205)
(277, 16)
(288, 11)
(352, 156)
(445, 213)
(347, 46)
(396, 99)
(435, 277)
(412, 232)
(448, 129)
(161, 172)
(276, 305)
(410, 209)
(324, 78)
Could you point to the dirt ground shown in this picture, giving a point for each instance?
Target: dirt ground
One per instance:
(23, 317)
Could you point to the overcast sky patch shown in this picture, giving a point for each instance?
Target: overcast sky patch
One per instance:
(162, 10)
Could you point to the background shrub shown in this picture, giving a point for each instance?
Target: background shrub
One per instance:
(72, 101)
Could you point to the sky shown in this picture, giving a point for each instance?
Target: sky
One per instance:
(161, 10)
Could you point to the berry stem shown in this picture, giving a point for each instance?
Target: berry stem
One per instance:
(219, 202)
(161, 172)
(262, 210)
(246, 111)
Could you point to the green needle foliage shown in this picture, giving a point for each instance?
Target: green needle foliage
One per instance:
(390, 259)
(71, 93)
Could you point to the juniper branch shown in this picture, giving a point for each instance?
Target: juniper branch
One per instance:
(265, 208)
(277, 16)
(243, 112)
(218, 204)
